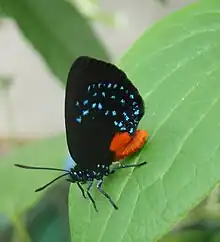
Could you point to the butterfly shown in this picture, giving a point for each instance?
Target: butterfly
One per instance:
(102, 112)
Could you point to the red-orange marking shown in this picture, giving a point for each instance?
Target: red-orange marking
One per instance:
(124, 145)
(120, 140)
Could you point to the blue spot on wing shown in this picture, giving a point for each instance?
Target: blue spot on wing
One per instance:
(126, 116)
(131, 130)
(100, 106)
(85, 112)
(79, 119)
(120, 124)
(137, 112)
(85, 102)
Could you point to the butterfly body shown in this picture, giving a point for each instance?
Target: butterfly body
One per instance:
(84, 175)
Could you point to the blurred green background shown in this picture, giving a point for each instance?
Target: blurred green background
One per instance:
(38, 42)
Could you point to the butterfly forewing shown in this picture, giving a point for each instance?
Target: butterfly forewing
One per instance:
(100, 101)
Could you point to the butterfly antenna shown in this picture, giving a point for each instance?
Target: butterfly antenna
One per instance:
(49, 183)
(40, 168)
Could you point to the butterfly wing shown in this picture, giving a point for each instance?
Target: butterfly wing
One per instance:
(100, 101)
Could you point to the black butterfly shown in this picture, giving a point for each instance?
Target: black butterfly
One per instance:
(102, 106)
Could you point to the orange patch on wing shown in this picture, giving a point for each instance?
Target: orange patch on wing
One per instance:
(124, 145)
(120, 140)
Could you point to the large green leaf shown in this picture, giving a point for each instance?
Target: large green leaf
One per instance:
(176, 66)
(17, 185)
(57, 30)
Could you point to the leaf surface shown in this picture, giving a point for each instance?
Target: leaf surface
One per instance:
(176, 67)
(17, 185)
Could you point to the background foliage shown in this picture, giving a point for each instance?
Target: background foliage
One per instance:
(66, 33)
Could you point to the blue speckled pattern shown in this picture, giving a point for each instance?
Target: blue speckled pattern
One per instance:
(108, 99)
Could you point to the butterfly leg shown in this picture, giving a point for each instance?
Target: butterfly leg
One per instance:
(99, 187)
(90, 196)
(81, 188)
(128, 166)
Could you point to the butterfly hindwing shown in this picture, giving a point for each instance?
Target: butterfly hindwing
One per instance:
(100, 101)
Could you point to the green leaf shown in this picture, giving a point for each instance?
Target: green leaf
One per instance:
(1, 14)
(17, 185)
(49, 220)
(176, 66)
(6, 229)
(57, 30)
